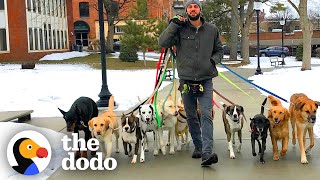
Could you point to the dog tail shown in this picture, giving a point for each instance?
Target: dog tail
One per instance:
(262, 105)
(111, 104)
(274, 101)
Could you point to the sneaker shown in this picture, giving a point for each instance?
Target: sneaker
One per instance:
(197, 153)
(209, 159)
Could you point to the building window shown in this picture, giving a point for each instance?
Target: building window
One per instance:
(1, 4)
(84, 9)
(45, 25)
(3, 40)
(117, 29)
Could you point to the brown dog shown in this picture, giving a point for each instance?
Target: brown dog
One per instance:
(303, 114)
(278, 117)
(104, 126)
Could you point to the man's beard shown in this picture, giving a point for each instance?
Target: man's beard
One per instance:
(194, 18)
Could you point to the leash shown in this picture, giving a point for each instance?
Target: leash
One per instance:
(255, 85)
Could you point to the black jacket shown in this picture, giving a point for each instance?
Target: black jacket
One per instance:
(198, 50)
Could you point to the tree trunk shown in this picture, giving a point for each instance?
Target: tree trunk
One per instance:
(245, 44)
(234, 33)
(307, 31)
(109, 48)
(144, 59)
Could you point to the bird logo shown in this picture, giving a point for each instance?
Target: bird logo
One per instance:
(29, 152)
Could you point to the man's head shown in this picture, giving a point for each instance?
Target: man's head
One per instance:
(193, 9)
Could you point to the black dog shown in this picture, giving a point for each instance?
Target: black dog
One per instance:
(77, 118)
(259, 131)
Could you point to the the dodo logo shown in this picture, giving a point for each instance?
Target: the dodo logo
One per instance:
(29, 152)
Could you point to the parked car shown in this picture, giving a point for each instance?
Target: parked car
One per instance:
(226, 49)
(274, 51)
(117, 46)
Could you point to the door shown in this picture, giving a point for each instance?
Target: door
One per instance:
(82, 38)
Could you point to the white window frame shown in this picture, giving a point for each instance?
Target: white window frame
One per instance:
(6, 28)
(118, 30)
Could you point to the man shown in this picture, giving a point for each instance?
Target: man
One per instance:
(198, 51)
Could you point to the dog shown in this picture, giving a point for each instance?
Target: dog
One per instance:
(168, 116)
(278, 117)
(82, 110)
(259, 126)
(104, 126)
(131, 134)
(148, 123)
(182, 128)
(303, 114)
(233, 120)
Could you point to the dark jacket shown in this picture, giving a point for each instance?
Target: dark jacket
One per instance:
(198, 50)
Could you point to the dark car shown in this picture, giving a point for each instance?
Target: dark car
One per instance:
(226, 49)
(117, 46)
(274, 51)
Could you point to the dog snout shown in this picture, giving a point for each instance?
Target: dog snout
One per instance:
(260, 129)
(98, 133)
(235, 115)
(276, 120)
(148, 119)
(126, 128)
(312, 119)
(176, 113)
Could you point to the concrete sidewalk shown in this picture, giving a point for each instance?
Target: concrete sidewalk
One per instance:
(182, 166)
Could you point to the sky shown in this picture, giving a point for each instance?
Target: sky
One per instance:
(50, 86)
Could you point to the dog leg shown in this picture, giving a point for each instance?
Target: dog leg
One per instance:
(240, 140)
(162, 145)
(125, 147)
(108, 148)
(116, 133)
(230, 143)
(301, 145)
(179, 143)
(293, 124)
(233, 138)
(169, 138)
(311, 136)
(146, 142)
(263, 149)
(187, 137)
(130, 150)
(172, 138)
(253, 146)
(259, 145)
(285, 142)
(275, 149)
(156, 145)
(142, 146)
(136, 150)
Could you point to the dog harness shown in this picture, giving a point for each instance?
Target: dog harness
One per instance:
(176, 128)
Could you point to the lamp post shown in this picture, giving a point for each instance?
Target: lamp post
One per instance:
(257, 6)
(104, 93)
(282, 22)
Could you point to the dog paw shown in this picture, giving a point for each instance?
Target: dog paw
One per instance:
(130, 154)
(294, 141)
(282, 153)
(146, 150)
(179, 148)
(304, 161)
(155, 152)
(117, 150)
(141, 160)
(238, 150)
(163, 150)
(133, 161)
(168, 144)
(276, 158)
(254, 154)
(232, 156)
(262, 161)
(171, 152)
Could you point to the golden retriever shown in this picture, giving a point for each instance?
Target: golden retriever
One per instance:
(303, 114)
(278, 117)
(104, 126)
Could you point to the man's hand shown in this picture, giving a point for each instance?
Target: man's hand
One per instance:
(179, 20)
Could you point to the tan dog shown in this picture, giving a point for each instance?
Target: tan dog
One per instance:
(168, 115)
(303, 114)
(181, 129)
(279, 126)
(104, 126)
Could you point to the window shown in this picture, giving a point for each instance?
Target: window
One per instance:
(1, 4)
(3, 40)
(84, 9)
(31, 38)
(117, 29)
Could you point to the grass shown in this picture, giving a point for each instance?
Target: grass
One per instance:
(94, 60)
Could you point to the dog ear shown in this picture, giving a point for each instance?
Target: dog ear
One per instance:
(228, 109)
(241, 109)
(299, 105)
(286, 115)
(90, 123)
(108, 123)
(170, 97)
(62, 112)
(270, 113)
(139, 109)
(151, 108)
(317, 103)
(78, 111)
(136, 119)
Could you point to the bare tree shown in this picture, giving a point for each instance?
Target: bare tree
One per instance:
(307, 31)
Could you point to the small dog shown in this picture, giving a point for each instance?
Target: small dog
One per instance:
(81, 111)
(259, 126)
(233, 120)
(168, 115)
(181, 129)
(279, 126)
(303, 113)
(131, 134)
(104, 126)
(148, 123)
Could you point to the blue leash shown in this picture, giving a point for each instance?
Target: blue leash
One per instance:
(259, 87)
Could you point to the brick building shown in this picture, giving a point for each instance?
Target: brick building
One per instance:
(29, 29)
